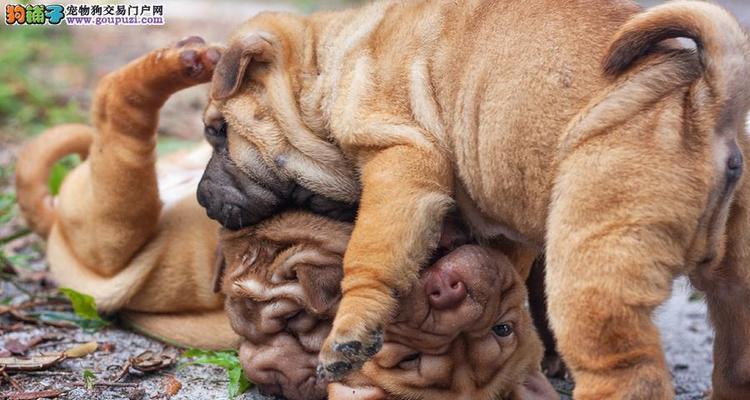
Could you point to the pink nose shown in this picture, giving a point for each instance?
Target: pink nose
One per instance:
(445, 290)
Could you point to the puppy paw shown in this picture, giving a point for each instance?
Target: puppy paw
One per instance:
(347, 352)
(148, 82)
(189, 62)
(357, 332)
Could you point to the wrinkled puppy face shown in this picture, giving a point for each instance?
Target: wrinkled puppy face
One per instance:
(240, 189)
(461, 332)
(282, 281)
(267, 157)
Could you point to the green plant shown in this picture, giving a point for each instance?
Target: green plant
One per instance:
(84, 311)
(7, 206)
(229, 360)
(60, 170)
(89, 379)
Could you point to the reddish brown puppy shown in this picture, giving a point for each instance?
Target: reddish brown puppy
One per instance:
(462, 331)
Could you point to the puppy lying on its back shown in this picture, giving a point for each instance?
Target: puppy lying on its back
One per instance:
(123, 229)
(462, 331)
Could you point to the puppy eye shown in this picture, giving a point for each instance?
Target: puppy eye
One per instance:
(409, 362)
(503, 330)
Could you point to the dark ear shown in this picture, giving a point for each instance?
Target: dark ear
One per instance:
(322, 286)
(230, 71)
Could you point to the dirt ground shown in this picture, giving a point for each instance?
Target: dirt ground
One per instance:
(686, 335)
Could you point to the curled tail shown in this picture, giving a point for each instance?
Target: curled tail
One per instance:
(35, 161)
(722, 44)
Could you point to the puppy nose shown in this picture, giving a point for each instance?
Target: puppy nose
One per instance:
(445, 290)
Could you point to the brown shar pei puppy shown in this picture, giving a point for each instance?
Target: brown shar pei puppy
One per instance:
(576, 126)
(461, 332)
(126, 229)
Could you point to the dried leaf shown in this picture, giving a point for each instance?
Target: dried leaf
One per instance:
(15, 347)
(171, 385)
(31, 395)
(81, 350)
(149, 361)
(107, 347)
(34, 363)
(18, 348)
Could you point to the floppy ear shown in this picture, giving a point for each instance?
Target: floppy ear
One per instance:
(230, 71)
(322, 285)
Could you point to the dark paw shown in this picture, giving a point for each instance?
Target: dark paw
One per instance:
(190, 61)
(196, 58)
(348, 356)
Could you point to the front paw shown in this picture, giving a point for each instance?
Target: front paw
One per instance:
(339, 357)
(356, 336)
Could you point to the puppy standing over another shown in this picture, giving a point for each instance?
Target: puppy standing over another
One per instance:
(134, 242)
(424, 104)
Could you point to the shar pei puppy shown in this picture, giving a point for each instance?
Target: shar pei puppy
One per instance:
(462, 331)
(578, 127)
(127, 229)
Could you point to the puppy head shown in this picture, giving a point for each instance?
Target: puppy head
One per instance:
(462, 330)
(282, 282)
(256, 125)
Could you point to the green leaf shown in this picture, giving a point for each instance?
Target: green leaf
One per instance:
(83, 305)
(88, 325)
(84, 308)
(59, 171)
(88, 379)
(238, 382)
(229, 361)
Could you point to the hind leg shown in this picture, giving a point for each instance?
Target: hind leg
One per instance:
(109, 207)
(624, 215)
(727, 291)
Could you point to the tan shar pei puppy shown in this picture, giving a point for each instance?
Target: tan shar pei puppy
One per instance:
(137, 244)
(578, 127)
(128, 230)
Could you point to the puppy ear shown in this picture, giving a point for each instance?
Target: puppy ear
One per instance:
(230, 71)
(322, 285)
